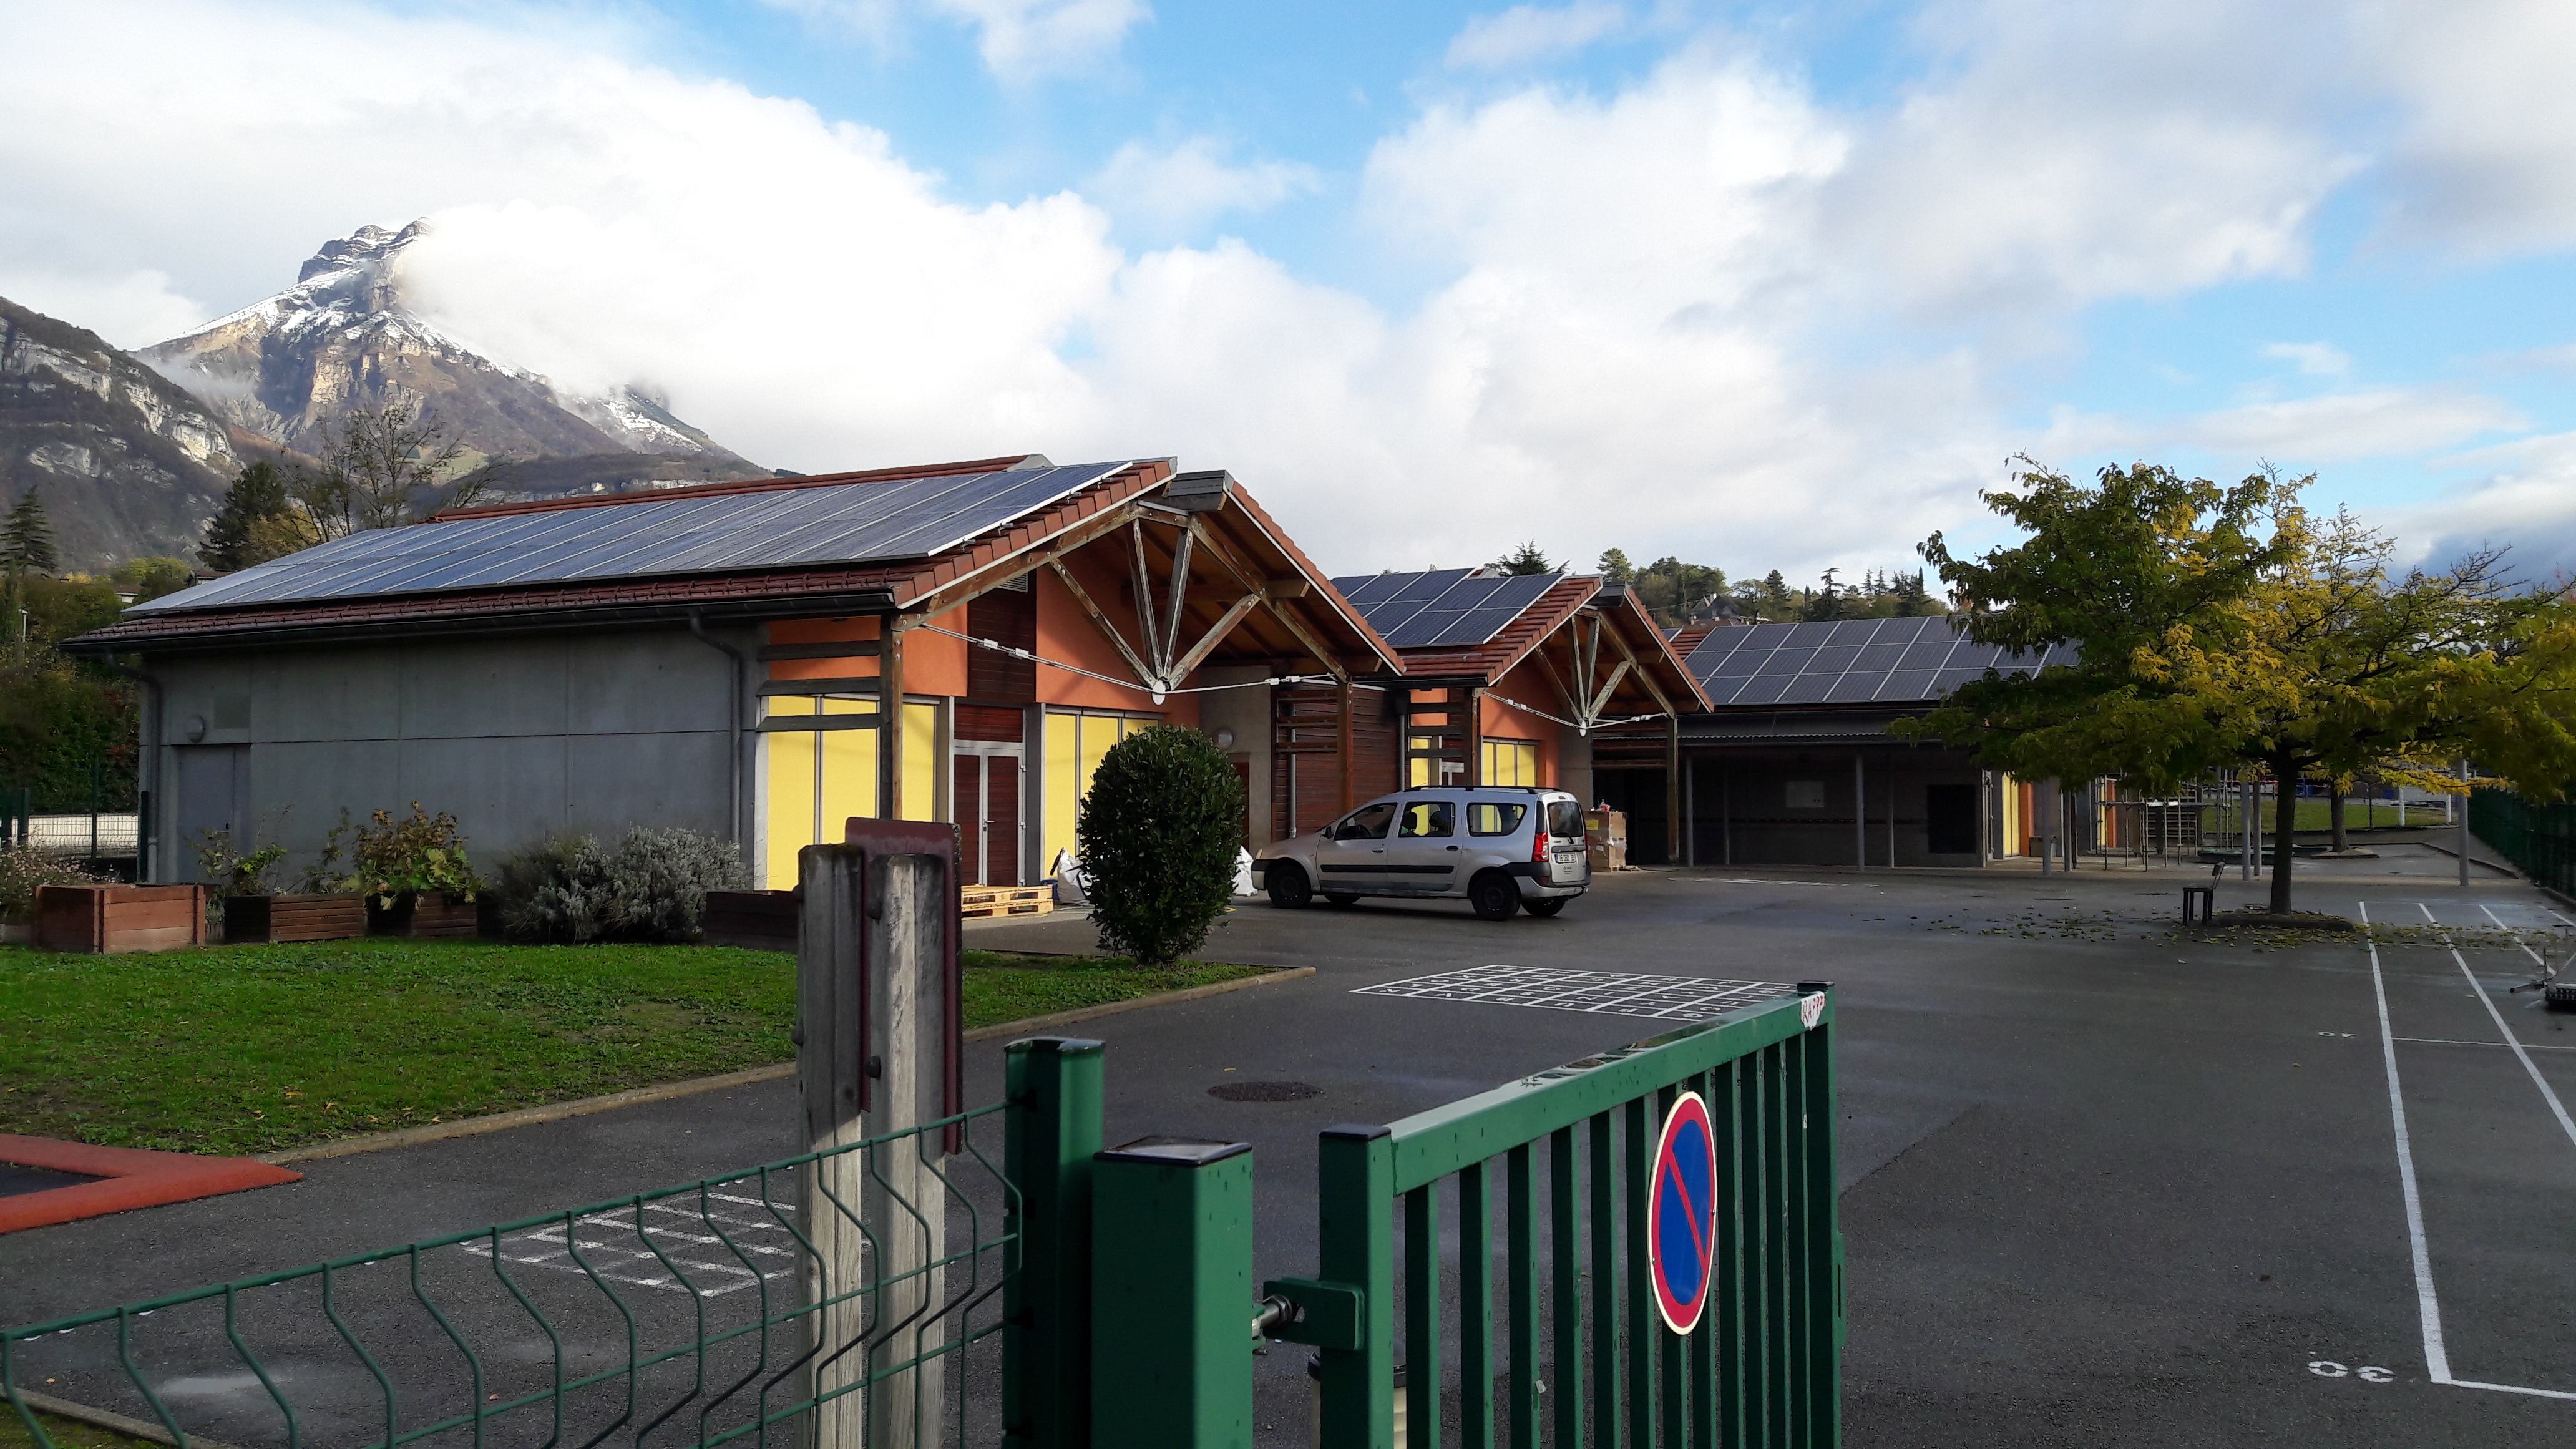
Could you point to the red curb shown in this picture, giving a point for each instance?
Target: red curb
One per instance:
(130, 1178)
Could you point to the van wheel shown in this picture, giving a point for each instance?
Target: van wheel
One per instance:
(1547, 907)
(1336, 898)
(1288, 888)
(1494, 896)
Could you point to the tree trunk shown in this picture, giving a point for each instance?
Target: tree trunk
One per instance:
(2334, 804)
(2285, 822)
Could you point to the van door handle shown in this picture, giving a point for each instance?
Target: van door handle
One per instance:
(1451, 847)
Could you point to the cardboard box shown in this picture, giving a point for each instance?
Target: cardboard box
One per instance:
(1605, 839)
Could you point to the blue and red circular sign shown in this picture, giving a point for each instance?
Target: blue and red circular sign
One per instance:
(1681, 1214)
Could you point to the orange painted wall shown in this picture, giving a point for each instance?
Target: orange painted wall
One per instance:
(1500, 721)
(1066, 633)
(932, 663)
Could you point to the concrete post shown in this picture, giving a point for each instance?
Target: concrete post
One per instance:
(2460, 838)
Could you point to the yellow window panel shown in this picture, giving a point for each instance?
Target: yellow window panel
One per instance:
(920, 761)
(849, 772)
(787, 796)
(1063, 747)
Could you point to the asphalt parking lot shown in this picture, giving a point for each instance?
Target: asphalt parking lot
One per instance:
(2103, 1184)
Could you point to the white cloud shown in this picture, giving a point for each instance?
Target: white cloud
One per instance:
(128, 310)
(1020, 40)
(2526, 499)
(2484, 159)
(1174, 191)
(1528, 33)
(2316, 359)
(1699, 312)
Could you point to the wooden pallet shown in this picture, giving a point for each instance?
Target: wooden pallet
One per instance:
(1034, 900)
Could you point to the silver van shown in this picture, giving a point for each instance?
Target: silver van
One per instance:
(1499, 847)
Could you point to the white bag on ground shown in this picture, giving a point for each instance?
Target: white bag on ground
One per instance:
(1071, 880)
(1243, 873)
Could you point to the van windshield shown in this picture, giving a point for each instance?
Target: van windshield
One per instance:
(1565, 819)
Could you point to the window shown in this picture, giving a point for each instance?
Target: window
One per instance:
(1805, 794)
(1511, 762)
(1490, 817)
(1565, 819)
(1428, 820)
(1367, 824)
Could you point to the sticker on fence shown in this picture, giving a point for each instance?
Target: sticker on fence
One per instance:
(1609, 993)
(1811, 1010)
(1681, 1216)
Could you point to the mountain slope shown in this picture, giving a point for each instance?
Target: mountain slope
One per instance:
(128, 462)
(344, 339)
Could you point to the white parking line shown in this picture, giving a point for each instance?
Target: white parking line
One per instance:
(2428, 1305)
(2557, 1108)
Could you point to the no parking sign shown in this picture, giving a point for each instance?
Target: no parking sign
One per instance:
(1681, 1214)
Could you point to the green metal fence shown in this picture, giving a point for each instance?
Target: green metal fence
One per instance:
(705, 1314)
(2539, 839)
(1585, 1354)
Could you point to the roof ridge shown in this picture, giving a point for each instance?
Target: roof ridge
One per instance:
(735, 485)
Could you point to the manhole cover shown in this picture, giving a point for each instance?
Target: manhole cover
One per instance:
(1264, 1092)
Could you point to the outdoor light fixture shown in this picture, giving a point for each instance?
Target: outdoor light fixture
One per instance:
(1224, 738)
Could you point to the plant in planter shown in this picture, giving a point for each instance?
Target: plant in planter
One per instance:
(21, 873)
(415, 876)
(250, 909)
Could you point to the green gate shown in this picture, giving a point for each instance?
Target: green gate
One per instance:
(1119, 1283)
(1585, 1352)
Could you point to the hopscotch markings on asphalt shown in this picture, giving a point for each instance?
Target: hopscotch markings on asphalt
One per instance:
(2437, 1357)
(614, 1250)
(1607, 993)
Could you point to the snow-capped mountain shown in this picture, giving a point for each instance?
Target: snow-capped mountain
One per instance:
(342, 339)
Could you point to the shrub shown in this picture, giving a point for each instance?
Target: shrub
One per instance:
(235, 875)
(22, 870)
(651, 886)
(1158, 836)
(424, 853)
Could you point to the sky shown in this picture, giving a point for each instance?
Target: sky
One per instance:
(1755, 285)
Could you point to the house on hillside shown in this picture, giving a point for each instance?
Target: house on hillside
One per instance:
(762, 660)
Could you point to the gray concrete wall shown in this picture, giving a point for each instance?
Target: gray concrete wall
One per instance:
(1245, 711)
(520, 738)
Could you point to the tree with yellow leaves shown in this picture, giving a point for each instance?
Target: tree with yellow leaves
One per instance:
(2232, 628)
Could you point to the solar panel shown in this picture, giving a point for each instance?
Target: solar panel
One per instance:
(1899, 661)
(1444, 608)
(843, 523)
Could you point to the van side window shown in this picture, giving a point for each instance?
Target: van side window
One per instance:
(1491, 817)
(1428, 820)
(1369, 823)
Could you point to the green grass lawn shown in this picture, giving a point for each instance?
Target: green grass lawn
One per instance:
(2318, 815)
(244, 1049)
(66, 1433)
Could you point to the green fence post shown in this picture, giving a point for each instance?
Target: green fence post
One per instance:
(1171, 1302)
(1354, 1200)
(1824, 1229)
(1054, 1127)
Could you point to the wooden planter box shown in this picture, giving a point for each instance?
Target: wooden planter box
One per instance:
(107, 918)
(430, 913)
(753, 920)
(262, 919)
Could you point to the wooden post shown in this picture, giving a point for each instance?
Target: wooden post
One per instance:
(873, 1041)
(1349, 753)
(1673, 789)
(890, 719)
(1473, 733)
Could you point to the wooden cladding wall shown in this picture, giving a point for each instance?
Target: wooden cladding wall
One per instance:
(1006, 616)
(1306, 760)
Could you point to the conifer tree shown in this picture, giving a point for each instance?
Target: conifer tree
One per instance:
(260, 492)
(26, 539)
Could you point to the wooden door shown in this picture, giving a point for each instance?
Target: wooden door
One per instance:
(1002, 820)
(968, 802)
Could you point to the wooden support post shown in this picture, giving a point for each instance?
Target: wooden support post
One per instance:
(874, 1042)
(1349, 752)
(1472, 732)
(890, 719)
(1673, 796)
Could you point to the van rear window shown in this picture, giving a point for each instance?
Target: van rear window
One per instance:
(1491, 817)
(1565, 819)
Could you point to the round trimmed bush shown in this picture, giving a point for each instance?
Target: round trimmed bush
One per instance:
(1158, 837)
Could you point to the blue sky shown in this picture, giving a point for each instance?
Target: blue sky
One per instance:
(1758, 285)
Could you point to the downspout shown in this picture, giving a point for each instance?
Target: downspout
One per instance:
(147, 766)
(733, 720)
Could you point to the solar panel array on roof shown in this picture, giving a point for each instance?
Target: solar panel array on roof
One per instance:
(1850, 661)
(1442, 608)
(833, 524)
